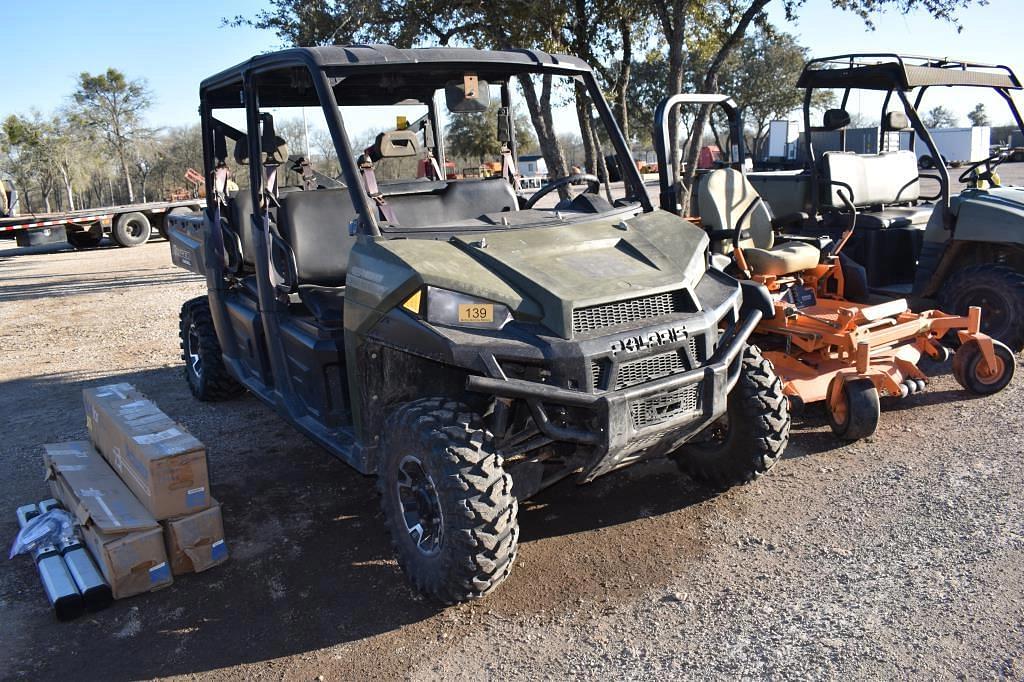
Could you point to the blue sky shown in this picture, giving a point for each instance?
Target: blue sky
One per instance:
(176, 44)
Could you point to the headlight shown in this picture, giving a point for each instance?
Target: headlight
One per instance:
(460, 310)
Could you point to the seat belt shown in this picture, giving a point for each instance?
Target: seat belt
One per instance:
(370, 181)
(508, 167)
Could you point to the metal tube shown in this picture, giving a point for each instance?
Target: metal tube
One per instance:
(96, 593)
(58, 584)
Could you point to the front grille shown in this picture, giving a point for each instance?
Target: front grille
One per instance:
(633, 310)
(661, 408)
(646, 369)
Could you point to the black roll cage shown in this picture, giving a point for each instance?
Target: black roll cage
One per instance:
(317, 63)
(669, 187)
(891, 73)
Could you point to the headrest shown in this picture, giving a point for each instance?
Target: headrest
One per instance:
(277, 154)
(895, 120)
(393, 144)
(835, 119)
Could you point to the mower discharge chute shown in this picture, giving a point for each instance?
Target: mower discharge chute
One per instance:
(826, 347)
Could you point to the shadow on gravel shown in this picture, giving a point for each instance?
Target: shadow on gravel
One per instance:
(76, 286)
(311, 567)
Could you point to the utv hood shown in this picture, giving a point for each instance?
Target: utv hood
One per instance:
(547, 273)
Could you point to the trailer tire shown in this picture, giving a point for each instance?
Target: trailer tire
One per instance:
(207, 375)
(730, 456)
(998, 291)
(83, 239)
(131, 229)
(447, 501)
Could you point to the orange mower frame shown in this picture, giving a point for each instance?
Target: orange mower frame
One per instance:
(848, 354)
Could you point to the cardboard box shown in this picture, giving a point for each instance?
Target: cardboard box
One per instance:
(124, 538)
(162, 463)
(196, 542)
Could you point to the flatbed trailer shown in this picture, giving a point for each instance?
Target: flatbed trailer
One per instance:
(128, 225)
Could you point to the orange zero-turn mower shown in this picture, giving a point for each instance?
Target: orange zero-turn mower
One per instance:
(825, 347)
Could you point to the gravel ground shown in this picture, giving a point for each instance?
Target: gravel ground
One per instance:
(900, 556)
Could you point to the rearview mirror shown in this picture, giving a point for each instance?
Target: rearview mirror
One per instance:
(471, 96)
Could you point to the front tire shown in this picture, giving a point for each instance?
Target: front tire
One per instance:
(447, 501)
(856, 414)
(752, 435)
(999, 292)
(205, 371)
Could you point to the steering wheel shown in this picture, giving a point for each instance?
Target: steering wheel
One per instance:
(971, 174)
(592, 181)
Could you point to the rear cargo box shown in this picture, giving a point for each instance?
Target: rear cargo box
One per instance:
(161, 462)
(124, 538)
(196, 542)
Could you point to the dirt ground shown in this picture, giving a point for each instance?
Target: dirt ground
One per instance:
(901, 556)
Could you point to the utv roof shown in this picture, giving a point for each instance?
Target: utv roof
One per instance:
(355, 59)
(885, 71)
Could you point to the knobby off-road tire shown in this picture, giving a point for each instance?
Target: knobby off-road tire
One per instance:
(205, 371)
(971, 371)
(752, 435)
(999, 291)
(440, 473)
(131, 229)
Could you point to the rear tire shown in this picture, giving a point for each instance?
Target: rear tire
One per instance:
(205, 371)
(447, 501)
(999, 292)
(857, 414)
(971, 371)
(757, 406)
(131, 229)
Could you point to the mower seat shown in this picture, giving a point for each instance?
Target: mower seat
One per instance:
(723, 199)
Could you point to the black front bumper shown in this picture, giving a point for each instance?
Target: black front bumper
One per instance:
(697, 397)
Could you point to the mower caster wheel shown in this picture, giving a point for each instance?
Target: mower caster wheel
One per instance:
(971, 371)
(904, 390)
(921, 385)
(855, 414)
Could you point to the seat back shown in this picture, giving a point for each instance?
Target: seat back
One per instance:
(724, 196)
(315, 226)
(240, 207)
(459, 200)
(875, 179)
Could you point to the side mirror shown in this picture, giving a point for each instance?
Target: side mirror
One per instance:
(471, 96)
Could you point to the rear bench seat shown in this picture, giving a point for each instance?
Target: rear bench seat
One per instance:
(315, 226)
(877, 182)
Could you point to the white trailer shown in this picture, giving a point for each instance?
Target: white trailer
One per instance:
(957, 145)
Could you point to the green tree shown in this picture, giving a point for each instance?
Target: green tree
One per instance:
(113, 105)
(475, 136)
(978, 116)
(761, 76)
(940, 117)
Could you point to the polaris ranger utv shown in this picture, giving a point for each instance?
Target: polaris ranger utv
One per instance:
(465, 343)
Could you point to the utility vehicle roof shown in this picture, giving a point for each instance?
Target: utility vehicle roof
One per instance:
(375, 74)
(889, 71)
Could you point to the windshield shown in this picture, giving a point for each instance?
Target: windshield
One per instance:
(455, 150)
